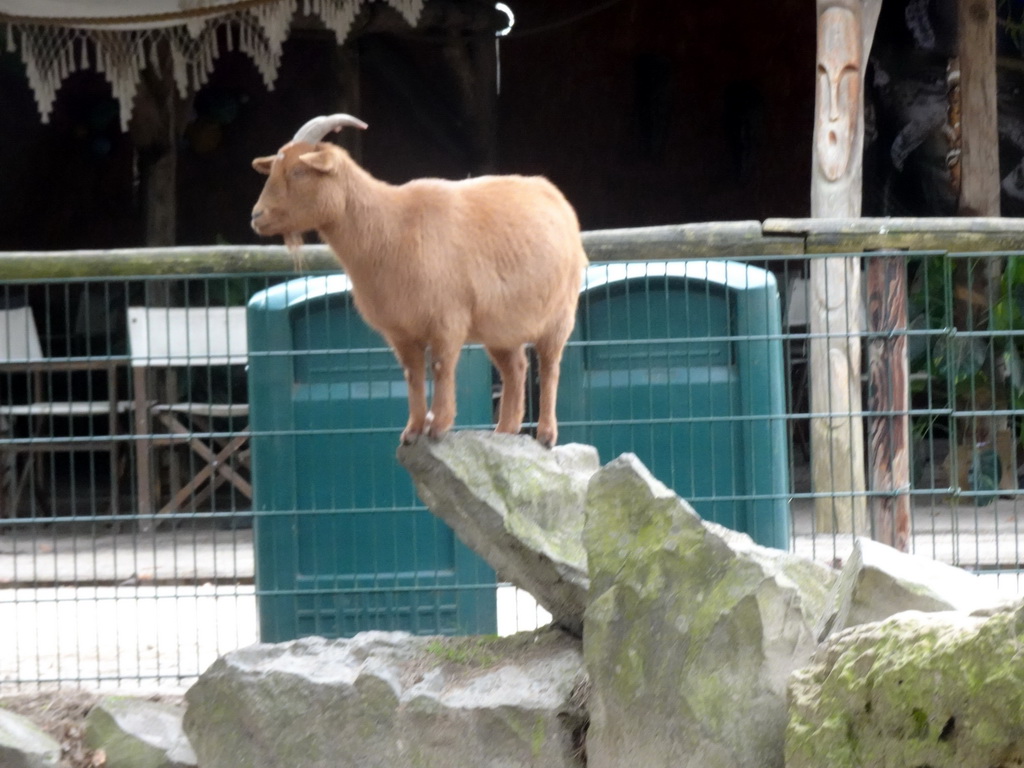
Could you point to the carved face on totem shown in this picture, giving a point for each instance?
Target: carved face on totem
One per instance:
(838, 100)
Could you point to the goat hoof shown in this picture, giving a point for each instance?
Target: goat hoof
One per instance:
(436, 435)
(547, 440)
(410, 437)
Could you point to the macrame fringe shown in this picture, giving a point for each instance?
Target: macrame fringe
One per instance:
(52, 53)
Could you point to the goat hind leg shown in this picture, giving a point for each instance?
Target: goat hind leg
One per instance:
(549, 355)
(512, 365)
(413, 359)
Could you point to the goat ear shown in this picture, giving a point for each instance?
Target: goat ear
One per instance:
(325, 162)
(262, 165)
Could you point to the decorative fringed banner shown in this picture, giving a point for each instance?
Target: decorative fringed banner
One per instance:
(55, 40)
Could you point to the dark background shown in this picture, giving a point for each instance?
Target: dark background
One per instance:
(644, 112)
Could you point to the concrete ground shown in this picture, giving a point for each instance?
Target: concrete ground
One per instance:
(152, 611)
(134, 611)
(987, 537)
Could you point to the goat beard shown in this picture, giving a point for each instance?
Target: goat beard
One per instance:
(293, 242)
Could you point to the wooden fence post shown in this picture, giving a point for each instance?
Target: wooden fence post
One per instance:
(890, 398)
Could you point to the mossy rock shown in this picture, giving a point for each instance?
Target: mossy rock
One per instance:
(138, 733)
(23, 744)
(944, 690)
(692, 630)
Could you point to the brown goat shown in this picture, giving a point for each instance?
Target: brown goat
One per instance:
(436, 264)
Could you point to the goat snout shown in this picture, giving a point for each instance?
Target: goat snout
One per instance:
(255, 222)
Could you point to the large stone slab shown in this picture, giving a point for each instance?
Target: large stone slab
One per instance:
(691, 633)
(944, 690)
(878, 581)
(392, 700)
(23, 744)
(137, 733)
(518, 505)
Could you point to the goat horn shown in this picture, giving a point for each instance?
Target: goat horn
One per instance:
(318, 127)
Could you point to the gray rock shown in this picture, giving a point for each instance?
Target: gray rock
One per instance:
(944, 690)
(518, 505)
(878, 581)
(137, 733)
(23, 744)
(392, 700)
(691, 633)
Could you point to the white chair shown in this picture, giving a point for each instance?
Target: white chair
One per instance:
(22, 357)
(175, 338)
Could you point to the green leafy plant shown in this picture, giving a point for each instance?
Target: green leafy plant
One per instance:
(971, 364)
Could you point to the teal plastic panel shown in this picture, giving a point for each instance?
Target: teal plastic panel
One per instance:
(342, 543)
(681, 363)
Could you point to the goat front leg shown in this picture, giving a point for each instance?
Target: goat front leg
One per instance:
(444, 360)
(512, 365)
(412, 356)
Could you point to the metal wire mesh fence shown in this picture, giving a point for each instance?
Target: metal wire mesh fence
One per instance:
(945, 409)
(110, 573)
(148, 424)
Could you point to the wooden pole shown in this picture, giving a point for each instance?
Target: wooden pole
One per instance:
(979, 134)
(845, 29)
(977, 289)
(890, 399)
(978, 130)
(155, 129)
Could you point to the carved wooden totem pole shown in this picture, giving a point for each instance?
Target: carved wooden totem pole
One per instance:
(845, 28)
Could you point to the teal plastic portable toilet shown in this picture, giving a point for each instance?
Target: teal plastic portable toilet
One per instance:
(680, 362)
(342, 543)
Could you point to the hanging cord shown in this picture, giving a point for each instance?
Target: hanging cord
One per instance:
(497, 43)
